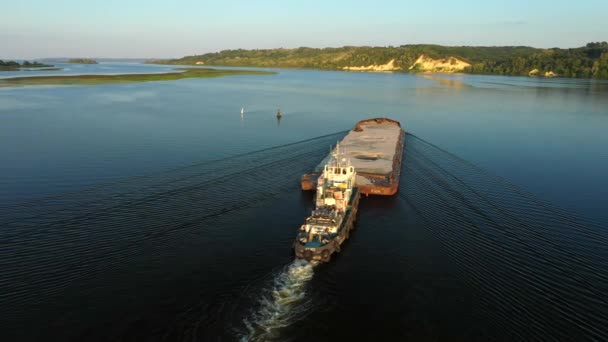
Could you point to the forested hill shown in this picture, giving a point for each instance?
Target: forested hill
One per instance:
(590, 61)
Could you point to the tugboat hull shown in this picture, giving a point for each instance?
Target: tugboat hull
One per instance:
(325, 252)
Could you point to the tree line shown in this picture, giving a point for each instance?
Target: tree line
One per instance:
(25, 64)
(82, 61)
(589, 61)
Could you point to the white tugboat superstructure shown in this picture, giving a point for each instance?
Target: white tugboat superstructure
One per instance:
(336, 203)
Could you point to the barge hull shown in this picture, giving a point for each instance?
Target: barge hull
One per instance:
(372, 153)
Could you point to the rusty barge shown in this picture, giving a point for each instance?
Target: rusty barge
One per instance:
(367, 161)
(375, 147)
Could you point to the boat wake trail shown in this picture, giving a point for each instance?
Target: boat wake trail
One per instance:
(538, 270)
(282, 304)
(85, 238)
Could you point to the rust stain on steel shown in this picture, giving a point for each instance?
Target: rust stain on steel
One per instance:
(370, 183)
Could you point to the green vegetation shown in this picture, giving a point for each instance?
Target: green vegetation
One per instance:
(126, 78)
(14, 66)
(82, 61)
(590, 61)
(51, 68)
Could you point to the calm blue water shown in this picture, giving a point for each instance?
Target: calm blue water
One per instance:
(547, 135)
(180, 240)
(87, 69)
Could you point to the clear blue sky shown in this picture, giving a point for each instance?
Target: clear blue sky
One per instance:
(152, 28)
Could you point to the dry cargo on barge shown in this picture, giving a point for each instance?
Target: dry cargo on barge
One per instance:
(375, 148)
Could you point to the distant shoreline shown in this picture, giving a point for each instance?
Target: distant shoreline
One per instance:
(181, 73)
(51, 68)
(589, 61)
(82, 61)
(15, 66)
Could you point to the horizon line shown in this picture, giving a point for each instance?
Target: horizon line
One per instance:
(299, 47)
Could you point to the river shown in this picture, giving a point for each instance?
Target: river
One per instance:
(155, 211)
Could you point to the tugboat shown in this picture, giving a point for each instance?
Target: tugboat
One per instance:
(336, 204)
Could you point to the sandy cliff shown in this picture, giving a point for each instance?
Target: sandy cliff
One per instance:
(390, 66)
(535, 72)
(445, 65)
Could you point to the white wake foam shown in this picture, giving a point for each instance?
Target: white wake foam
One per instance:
(282, 304)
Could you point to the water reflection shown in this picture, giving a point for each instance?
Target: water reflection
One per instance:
(449, 82)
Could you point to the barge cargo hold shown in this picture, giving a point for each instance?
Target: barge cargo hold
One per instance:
(375, 148)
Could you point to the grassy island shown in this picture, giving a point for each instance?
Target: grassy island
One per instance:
(82, 61)
(125, 78)
(15, 66)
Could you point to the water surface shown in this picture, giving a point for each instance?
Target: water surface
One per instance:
(185, 234)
